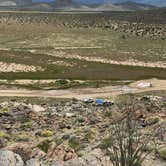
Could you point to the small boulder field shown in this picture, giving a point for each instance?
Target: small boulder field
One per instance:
(56, 132)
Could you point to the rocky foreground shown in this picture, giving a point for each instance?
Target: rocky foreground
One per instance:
(74, 133)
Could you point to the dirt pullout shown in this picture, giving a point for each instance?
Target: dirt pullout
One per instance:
(130, 62)
(104, 92)
(13, 67)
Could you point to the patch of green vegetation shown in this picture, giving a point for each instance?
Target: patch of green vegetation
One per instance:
(23, 119)
(44, 145)
(4, 110)
(26, 125)
(105, 143)
(39, 47)
(47, 133)
(153, 120)
(88, 136)
(3, 134)
(66, 136)
(21, 86)
(79, 131)
(22, 137)
(149, 148)
(92, 71)
(74, 143)
(108, 113)
(162, 152)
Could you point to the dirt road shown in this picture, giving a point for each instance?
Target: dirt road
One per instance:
(108, 91)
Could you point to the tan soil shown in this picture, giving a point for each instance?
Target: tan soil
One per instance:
(81, 93)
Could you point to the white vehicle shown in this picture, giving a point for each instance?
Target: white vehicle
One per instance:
(88, 100)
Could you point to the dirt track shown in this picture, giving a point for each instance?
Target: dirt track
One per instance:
(108, 91)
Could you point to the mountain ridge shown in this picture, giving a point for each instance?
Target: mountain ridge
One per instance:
(71, 5)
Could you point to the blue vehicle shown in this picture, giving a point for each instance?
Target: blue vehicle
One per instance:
(99, 102)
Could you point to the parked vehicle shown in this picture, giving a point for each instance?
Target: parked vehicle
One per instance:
(99, 102)
(88, 100)
(108, 103)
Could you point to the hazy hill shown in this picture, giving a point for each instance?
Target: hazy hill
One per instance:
(72, 5)
(159, 3)
(7, 3)
(128, 5)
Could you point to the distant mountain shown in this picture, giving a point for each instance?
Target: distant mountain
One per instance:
(7, 3)
(159, 3)
(15, 2)
(128, 5)
(125, 6)
(79, 5)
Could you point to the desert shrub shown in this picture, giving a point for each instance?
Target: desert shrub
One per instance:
(106, 142)
(3, 111)
(123, 37)
(23, 119)
(162, 152)
(127, 145)
(108, 113)
(88, 136)
(26, 125)
(74, 143)
(44, 145)
(3, 134)
(62, 81)
(46, 133)
(23, 137)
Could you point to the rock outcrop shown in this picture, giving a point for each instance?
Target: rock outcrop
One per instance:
(8, 158)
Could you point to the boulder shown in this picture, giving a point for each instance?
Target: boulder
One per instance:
(8, 158)
(37, 153)
(89, 160)
(57, 163)
(32, 162)
(23, 149)
(61, 152)
(94, 158)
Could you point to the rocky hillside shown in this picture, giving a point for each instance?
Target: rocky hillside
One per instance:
(73, 133)
(151, 23)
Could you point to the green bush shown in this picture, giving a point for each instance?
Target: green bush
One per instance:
(3, 134)
(22, 137)
(162, 152)
(44, 145)
(47, 133)
(74, 143)
(4, 110)
(26, 125)
(106, 142)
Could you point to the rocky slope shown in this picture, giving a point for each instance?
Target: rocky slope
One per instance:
(72, 133)
(151, 23)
